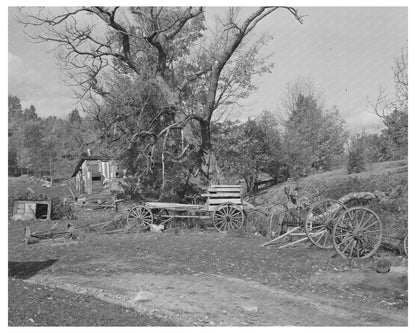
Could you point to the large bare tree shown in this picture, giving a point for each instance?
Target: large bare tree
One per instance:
(155, 51)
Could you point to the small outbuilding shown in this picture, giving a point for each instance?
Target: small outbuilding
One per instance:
(32, 209)
(94, 174)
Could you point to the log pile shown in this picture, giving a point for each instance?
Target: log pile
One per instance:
(36, 237)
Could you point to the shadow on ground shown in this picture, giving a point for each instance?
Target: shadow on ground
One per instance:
(24, 270)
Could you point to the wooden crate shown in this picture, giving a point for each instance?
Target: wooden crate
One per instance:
(220, 195)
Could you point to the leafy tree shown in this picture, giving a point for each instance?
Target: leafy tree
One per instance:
(15, 115)
(332, 139)
(32, 153)
(13, 164)
(74, 117)
(52, 145)
(30, 114)
(313, 138)
(245, 150)
(357, 154)
(169, 51)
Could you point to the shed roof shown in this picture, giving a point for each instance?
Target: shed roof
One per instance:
(88, 158)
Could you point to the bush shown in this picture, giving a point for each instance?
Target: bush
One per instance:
(61, 211)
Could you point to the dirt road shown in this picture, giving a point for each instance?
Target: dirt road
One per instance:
(204, 299)
(212, 279)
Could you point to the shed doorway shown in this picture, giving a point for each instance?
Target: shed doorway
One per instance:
(41, 211)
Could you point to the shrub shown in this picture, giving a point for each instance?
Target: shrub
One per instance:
(61, 211)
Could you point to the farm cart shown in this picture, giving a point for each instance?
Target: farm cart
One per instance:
(355, 232)
(224, 206)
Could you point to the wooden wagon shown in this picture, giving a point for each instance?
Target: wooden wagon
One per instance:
(354, 232)
(224, 207)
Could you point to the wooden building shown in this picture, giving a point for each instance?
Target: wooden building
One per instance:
(33, 209)
(93, 175)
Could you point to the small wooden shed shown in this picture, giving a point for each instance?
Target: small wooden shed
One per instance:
(34, 209)
(93, 174)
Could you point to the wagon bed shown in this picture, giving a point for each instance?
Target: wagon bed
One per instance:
(175, 206)
(224, 206)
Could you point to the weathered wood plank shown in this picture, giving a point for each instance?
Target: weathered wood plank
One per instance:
(224, 201)
(186, 216)
(223, 189)
(173, 206)
(225, 186)
(224, 195)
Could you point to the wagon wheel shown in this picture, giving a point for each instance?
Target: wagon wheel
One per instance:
(139, 216)
(357, 233)
(320, 220)
(228, 217)
(405, 245)
(276, 220)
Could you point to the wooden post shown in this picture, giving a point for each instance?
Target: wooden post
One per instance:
(28, 237)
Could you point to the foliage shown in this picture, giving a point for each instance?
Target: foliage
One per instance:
(396, 133)
(30, 114)
(13, 165)
(245, 150)
(61, 211)
(313, 138)
(394, 111)
(45, 146)
(365, 149)
(160, 64)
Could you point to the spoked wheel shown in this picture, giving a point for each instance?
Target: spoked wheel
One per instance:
(228, 217)
(276, 220)
(405, 245)
(357, 233)
(139, 217)
(320, 221)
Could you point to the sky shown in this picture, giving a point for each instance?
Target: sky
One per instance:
(347, 52)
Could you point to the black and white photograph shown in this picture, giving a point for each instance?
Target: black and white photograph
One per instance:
(224, 165)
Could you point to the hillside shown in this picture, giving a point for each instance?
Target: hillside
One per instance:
(385, 177)
(17, 186)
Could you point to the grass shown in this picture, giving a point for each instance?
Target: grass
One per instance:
(18, 186)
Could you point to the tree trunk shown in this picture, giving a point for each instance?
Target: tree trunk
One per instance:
(207, 162)
(50, 172)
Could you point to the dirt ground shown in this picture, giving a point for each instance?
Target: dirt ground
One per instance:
(206, 278)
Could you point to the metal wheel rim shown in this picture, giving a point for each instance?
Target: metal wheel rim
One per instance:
(139, 216)
(276, 221)
(320, 220)
(357, 233)
(228, 218)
